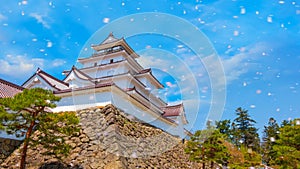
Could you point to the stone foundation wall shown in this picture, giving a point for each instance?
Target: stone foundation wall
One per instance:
(7, 146)
(110, 139)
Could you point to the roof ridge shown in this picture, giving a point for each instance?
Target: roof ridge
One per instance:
(145, 71)
(11, 84)
(81, 72)
(109, 39)
(50, 76)
(176, 105)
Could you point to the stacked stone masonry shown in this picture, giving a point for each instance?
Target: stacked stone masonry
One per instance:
(110, 139)
(7, 146)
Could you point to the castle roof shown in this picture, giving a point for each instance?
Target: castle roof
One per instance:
(78, 73)
(50, 80)
(99, 85)
(149, 73)
(111, 38)
(175, 110)
(110, 42)
(8, 89)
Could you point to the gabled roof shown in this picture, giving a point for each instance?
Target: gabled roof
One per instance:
(145, 71)
(111, 38)
(81, 75)
(111, 41)
(149, 72)
(175, 110)
(8, 89)
(50, 80)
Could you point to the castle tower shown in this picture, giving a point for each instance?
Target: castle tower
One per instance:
(111, 75)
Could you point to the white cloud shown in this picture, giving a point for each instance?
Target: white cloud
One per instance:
(165, 63)
(232, 69)
(2, 17)
(19, 66)
(40, 19)
(235, 66)
(38, 62)
(218, 72)
(221, 71)
(187, 68)
(105, 20)
(169, 84)
(49, 44)
(58, 62)
(181, 50)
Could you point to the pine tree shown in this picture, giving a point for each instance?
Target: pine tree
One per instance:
(270, 135)
(287, 147)
(224, 127)
(25, 112)
(236, 156)
(207, 146)
(243, 131)
(286, 123)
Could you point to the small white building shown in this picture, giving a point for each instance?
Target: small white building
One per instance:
(113, 76)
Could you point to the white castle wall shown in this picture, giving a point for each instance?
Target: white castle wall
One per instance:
(145, 115)
(121, 101)
(83, 101)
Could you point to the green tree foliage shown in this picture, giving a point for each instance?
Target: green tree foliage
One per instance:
(52, 130)
(286, 123)
(25, 112)
(270, 135)
(280, 147)
(224, 127)
(242, 157)
(207, 146)
(287, 146)
(240, 132)
(237, 159)
(252, 158)
(242, 140)
(243, 130)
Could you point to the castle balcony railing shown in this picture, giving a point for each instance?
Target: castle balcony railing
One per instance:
(108, 51)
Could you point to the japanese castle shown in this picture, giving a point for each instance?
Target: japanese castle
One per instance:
(111, 75)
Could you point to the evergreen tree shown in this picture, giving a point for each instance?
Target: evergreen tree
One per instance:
(242, 157)
(243, 131)
(25, 112)
(207, 146)
(287, 147)
(270, 135)
(224, 127)
(237, 159)
(286, 123)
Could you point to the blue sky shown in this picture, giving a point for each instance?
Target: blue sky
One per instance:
(257, 42)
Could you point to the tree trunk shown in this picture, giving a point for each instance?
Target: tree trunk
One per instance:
(24, 152)
(211, 164)
(203, 165)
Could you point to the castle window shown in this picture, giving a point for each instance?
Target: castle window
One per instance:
(95, 64)
(111, 61)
